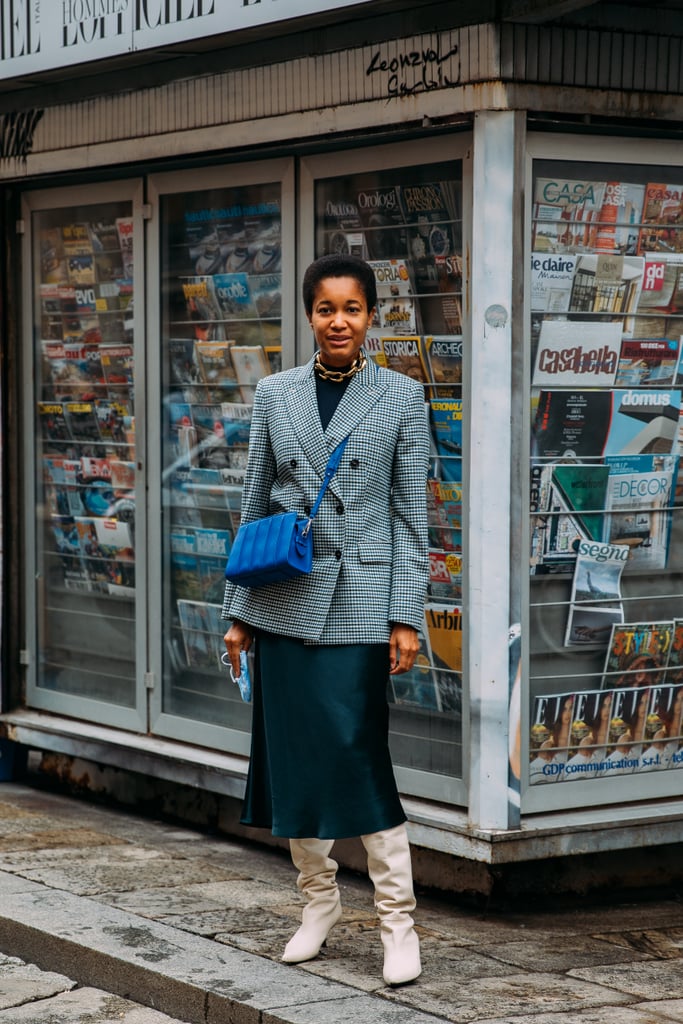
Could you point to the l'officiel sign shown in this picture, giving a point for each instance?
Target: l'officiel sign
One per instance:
(37, 35)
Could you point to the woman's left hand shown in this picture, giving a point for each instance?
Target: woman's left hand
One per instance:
(404, 644)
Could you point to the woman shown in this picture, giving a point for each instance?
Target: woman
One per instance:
(320, 767)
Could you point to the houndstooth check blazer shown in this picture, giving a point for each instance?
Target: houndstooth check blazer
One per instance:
(370, 566)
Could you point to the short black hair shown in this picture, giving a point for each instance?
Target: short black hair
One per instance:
(339, 265)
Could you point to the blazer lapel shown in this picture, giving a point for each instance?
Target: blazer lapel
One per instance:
(302, 405)
(364, 390)
(361, 394)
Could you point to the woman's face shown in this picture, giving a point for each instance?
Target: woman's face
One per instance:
(340, 319)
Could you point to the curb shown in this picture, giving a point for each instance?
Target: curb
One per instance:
(183, 975)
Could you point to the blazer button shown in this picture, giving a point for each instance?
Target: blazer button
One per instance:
(292, 463)
(307, 510)
(337, 554)
(340, 509)
(354, 463)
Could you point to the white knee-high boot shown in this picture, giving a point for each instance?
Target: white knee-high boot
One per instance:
(391, 872)
(317, 881)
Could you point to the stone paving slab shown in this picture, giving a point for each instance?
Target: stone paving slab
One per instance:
(602, 1015)
(512, 994)
(24, 982)
(193, 978)
(654, 980)
(84, 1006)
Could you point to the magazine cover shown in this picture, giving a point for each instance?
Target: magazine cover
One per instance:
(53, 422)
(645, 361)
(200, 648)
(97, 563)
(567, 503)
(266, 293)
(674, 664)
(214, 362)
(549, 737)
(665, 726)
(606, 283)
(236, 424)
(565, 214)
(250, 365)
(662, 285)
(234, 297)
(395, 311)
(444, 634)
(588, 736)
(445, 575)
(594, 423)
(444, 358)
(72, 570)
(444, 514)
(551, 281)
(382, 221)
(577, 354)
(52, 261)
(82, 420)
(620, 217)
(417, 688)
(124, 231)
(640, 496)
(117, 363)
(74, 371)
(405, 355)
(662, 218)
(76, 240)
(596, 587)
(104, 236)
(113, 420)
(61, 485)
(637, 654)
(446, 417)
(203, 308)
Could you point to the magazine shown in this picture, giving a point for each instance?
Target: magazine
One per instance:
(417, 688)
(637, 654)
(444, 514)
(395, 309)
(73, 572)
(586, 423)
(446, 417)
(662, 219)
(565, 214)
(596, 587)
(250, 365)
(551, 281)
(405, 355)
(236, 423)
(445, 575)
(606, 283)
(645, 361)
(662, 286)
(113, 420)
(61, 486)
(53, 422)
(76, 240)
(214, 362)
(203, 307)
(124, 230)
(640, 495)
(200, 645)
(233, 294)
(620, 217)
(444, 633)
(117, 363)
(444, 357)
(382, 221)
(74, 371)
(674, 663)
(549, 737)
(83, 422)
(566, 504)
(583, 354)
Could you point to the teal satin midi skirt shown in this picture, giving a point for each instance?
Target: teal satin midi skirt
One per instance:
(320, 765)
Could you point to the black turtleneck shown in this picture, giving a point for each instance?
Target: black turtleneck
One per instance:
(329, 394)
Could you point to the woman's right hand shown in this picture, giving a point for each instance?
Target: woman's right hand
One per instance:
(237, 639)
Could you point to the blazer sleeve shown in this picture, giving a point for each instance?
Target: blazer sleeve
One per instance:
(410, 561)
(258, 479)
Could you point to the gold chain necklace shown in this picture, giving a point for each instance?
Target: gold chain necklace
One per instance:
(338, 376)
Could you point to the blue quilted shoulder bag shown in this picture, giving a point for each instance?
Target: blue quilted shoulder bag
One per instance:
(278, 547)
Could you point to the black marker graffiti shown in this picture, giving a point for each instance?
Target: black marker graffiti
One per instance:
(430, 72)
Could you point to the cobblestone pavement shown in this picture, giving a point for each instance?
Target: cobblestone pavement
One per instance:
(107, 916)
